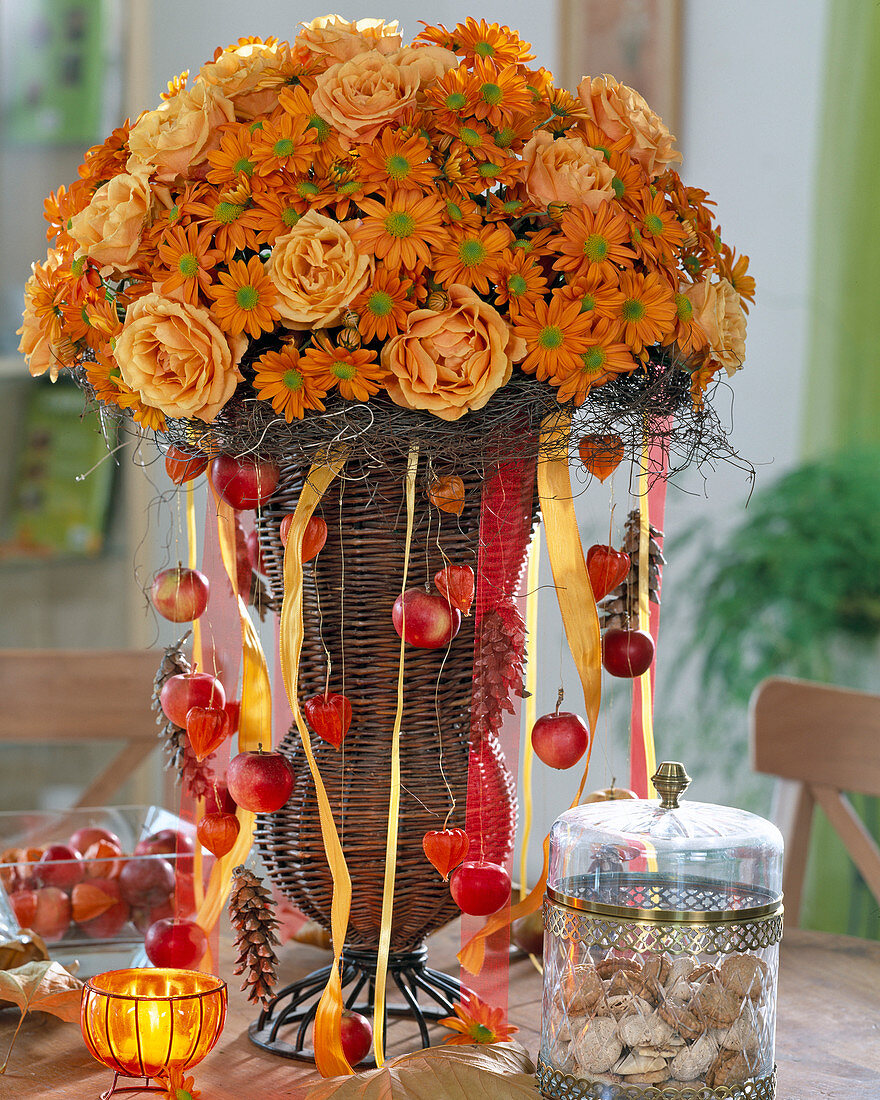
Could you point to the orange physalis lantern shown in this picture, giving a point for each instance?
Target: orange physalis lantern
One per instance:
(218, 833)
(601, 454)
(446, 849)
(447, 494)
(455, 584)
(607, 568)
(207, 728)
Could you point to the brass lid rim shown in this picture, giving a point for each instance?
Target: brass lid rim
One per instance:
(667, 916)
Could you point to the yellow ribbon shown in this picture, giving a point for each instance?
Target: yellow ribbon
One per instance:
(580, 619)
(394, 799)
(329, 1056)
(531, 706)
(255, 724)
(645, 621)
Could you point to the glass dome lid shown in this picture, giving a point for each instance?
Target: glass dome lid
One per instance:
(662, 859)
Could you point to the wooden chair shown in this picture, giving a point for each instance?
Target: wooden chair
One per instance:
(61, 695)
(827, 740)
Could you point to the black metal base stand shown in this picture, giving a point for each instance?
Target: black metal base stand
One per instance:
(296, 1005)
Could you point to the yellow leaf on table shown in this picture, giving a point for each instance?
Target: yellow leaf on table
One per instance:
(42, 987)
(500, 1071)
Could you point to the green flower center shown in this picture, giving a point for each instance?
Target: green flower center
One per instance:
(173, 214)
(470, 137)
(491, 94)
(618, 187)
(349, 188)
(654, 224)
(400, 224)
(380, 303)
(243, 165)
(455, 101)
(551, 337)
(254, 126)
(488, 170)
(594, 360)
(596, 248)
(684, 308)
(225, 213)
(289, 216)
(455, 212)
(588, 303)
(481, 1034)
(504, 138)
(471, 252)
(633, 310)
(306, 189)
(344, 371)
(78, 266)
(398, 167)
(188, 265)
(320, 126)
(283, 147)
(484, 49)
(247, 297)
(292, 380)
(691, 265)
(517, 285)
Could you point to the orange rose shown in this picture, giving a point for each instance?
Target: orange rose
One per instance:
(566, 170)
(342, 40)
(618, 110)
(719, 314)
(359, 96)
(428, 62)
(317, 271)
(109, 229)
(237, 73)
(451, 361)
(175, 357)
(177, 136)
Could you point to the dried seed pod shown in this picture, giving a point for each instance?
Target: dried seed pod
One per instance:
(349, 338)
(437, 300)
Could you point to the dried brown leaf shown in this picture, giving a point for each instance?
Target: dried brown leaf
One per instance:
(501, 1071)
(40, 987)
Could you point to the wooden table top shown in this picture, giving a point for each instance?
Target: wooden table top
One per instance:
(828, 1032)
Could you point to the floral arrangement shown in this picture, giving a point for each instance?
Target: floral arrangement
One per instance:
(346, 216)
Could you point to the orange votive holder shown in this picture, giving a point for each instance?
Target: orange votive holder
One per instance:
(141, 1023)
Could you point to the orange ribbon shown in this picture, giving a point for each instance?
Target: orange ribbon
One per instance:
(580, 619)
(329, 1056)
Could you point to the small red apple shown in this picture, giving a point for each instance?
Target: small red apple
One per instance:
(180, 944)
(260, 781)
(180, 594)
(186, 690)
(627, 653)
(218, 799)
(314, 536)
(431, 622)
(169, 842)
(609, 794)
(244, 482)
(146, 882)
(356, 1034)
(560, 739)
(91, 834)
(255, 553)
(24, 906)
(479, 887)
(61, 866)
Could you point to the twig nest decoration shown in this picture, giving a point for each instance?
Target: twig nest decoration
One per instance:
(643, 960)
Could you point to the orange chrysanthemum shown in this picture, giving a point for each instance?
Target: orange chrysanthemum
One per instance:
(245, 299)
(660, 232)
(500, 93)
(178, 1087)
(229, 217)
(452, 99)
(647, 313)
(274, 213)
(357, 374)
(283, 142)
(604, 356)
(460, 176)
(401, 229)
(477, 1022)
(396, 162)
(597, 296)
(565, 111)
(187, 256)
(629, 177)
(298, 104)
(234, 158)
(107, 159)
(281, 380)
(383, 305)
(597, 240)
(735, 269)
(687, 334)
(470, 257)
(481, 39)
(556, 335)
(477, 139)
(520, 279)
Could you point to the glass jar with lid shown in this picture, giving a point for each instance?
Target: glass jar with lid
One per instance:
(663, 923)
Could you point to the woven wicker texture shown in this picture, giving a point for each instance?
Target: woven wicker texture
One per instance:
(348, 593)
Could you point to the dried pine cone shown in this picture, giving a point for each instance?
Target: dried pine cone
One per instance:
(252, 912)
(620, 608)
